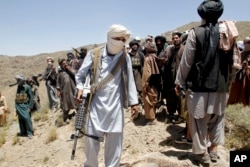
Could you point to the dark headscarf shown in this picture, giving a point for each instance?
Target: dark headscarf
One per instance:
(150, 48)
(133, 42)
(211, 10)
(161, 46)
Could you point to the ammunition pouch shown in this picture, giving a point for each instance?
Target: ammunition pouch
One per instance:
(21, 98)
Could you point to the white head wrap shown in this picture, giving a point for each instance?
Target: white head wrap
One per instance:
(20, 76)
(116, 30)
(50, 59)
(20, 79)
(240, 45)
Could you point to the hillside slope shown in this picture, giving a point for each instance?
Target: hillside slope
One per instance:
(144, 146)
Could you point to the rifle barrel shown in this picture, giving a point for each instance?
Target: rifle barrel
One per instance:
(13, 84)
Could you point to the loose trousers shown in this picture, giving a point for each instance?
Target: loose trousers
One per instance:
(211, 125)
(112, 149)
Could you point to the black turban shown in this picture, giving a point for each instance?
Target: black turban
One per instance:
(133, 42)
(210, 10)
(150, 48)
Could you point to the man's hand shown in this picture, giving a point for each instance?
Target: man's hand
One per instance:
(134, 108)
(134, 112)
(58, 93)
(177, 90)
(79, 95)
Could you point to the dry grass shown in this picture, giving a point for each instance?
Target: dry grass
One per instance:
(2, 137)
(237, 127)
(41, 115)
(52, 135)
(15, 140)
(59, 121)
(45, 159)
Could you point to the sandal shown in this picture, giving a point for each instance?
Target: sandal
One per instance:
(214, 156)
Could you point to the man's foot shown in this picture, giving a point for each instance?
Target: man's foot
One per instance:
(184, 131)
(70, 116)
(177, 120)
(67, 121)
(30, 136)
(213, 156)
(183, 140)
(22, 134)
(151, 122)
(202, 158)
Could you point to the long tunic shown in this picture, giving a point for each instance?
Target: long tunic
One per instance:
(150, 94)
(67, 88)
(36, 98)
(106, 109)
(240, 89)
(22, 110)
(186, 63)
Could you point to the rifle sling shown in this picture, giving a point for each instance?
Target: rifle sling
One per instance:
(96, 86)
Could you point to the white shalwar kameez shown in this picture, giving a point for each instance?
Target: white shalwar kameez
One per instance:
(106, 115)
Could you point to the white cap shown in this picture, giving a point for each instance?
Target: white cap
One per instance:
(137, 38)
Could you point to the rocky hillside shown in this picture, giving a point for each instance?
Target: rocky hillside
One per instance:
(144, 146)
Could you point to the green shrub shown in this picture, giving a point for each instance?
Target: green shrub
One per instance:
(237, 127)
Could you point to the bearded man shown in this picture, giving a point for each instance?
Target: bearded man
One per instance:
(137, 60)
(174, 53)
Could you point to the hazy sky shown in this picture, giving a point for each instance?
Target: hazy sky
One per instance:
(30, 27)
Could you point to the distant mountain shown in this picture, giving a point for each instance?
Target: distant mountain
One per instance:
(242, 26)
(30, 65)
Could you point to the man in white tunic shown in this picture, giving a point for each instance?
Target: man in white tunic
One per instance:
(205, 70)
(106, 117)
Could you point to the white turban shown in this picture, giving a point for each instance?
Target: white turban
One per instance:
(50, 59)
(20, 77)
(116, 30)
(240, 45)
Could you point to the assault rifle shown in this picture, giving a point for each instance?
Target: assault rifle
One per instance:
(77, 52)
(80, 122)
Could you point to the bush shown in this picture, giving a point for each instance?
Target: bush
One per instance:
(41, 115)
(237, 127)
(52, 135)
(2, 137)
